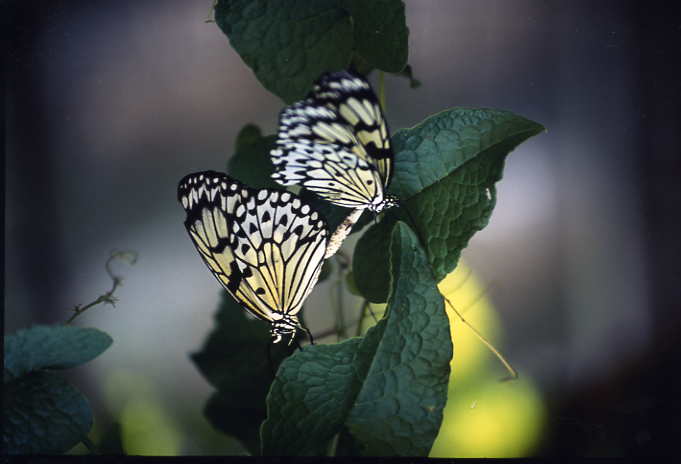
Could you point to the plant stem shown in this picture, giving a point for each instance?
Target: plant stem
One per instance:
(362, 313)
(381, 90)
(342, 334)
(507, 365)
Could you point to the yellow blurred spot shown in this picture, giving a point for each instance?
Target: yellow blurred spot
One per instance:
(148, 430)
(468, 296)
(483, 417)
(491, 419)
(146, 426)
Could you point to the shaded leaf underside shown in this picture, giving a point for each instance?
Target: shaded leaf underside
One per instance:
(289, 44)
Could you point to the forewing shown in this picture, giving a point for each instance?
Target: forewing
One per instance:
(335, 174)
(341, 116)
(264, 246)
(357, 108)
(279, 244)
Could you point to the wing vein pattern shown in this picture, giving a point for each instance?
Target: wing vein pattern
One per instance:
(265, 246)
(336, 143)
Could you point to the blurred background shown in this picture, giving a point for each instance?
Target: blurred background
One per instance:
(576, 278)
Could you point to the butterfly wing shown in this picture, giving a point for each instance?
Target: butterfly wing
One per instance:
(266, 247)
(359, 110)
(341, 116)
(332, 172)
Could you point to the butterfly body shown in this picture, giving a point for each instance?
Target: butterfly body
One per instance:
(336, 143)
(265, 246)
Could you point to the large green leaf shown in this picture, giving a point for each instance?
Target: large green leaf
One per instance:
(251, 162)
(234, 359)
(380, 33)
(370, 262)
(388, 388)
(289, 43)
(446, 169)
(54, 347)
(43, 414)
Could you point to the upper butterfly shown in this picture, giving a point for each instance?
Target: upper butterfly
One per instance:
(336, 144)
(266, 247)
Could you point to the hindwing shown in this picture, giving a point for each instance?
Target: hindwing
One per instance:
(341, 116)
(265, 246)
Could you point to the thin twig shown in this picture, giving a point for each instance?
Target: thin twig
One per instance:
(108, 297)
(342, 334)
(476, 298)
(509, 368)
(362, 312)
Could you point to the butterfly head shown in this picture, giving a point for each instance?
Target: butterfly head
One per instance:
(284, 327)
(388, 201)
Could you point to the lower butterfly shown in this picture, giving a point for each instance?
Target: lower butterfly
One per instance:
(265, 247)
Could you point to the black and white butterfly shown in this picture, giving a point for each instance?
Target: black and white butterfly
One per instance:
(266, 247)
(336, 143)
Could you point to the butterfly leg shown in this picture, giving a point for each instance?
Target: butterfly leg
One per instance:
(309, 335)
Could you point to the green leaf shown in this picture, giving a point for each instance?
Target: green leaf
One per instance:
(54, 347)
(380, 33)
(289, 44)
(43, 414)
(446, 169)
(234, 359)
(251, 164)
(370, 262)
(388, 388)
(399, 408)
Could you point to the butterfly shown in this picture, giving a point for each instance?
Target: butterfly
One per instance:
(265, 246)
(336, 143)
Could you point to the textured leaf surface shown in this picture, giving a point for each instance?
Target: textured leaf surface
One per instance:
(54, 347)
(43, 414)
(309, 399)
(388, 388)
(251, 163)
(380, 33)
(234, 360)
(399, 408)
(432, 150)
(289, 43)
(446, 169)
